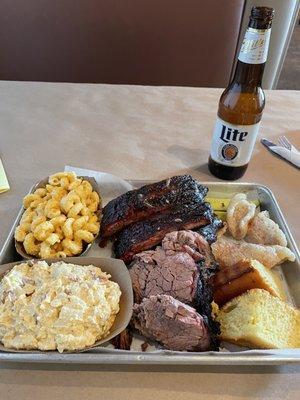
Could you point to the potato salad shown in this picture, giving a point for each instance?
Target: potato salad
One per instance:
(59, 306)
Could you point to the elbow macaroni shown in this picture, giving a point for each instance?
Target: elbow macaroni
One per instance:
(60, 218)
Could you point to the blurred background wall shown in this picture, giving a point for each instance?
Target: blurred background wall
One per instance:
(148, 42)
(286, 13)
(289, 77)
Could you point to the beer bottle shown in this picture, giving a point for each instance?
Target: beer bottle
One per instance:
(242, 103)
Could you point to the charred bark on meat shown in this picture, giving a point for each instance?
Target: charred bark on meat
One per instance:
(209, 232)
(149, 200)
(203, 301)
(146, 234)
(123, 340)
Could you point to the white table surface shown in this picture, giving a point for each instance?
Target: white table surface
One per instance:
(139, 133)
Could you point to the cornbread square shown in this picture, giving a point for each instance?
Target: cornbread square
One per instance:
(257, 319)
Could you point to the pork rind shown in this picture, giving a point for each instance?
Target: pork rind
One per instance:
(265, 231)
(228, 251)
(239, 214)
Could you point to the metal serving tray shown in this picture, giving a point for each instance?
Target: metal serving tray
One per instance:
(104, 355)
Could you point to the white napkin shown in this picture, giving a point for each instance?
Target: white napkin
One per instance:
(4, 185)
(293, 156)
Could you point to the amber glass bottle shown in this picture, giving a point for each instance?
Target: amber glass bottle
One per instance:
(242, 103)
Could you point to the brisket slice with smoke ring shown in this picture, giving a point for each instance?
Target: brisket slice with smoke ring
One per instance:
(146, 234)
(172, 323)
(149, 200)
(176, 275)
(182, 268)
(188, 242)
(172, 267)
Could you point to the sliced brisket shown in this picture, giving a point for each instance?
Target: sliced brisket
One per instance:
(149, 200)
(182, 268)
(172, 268)
(172, 323)
(146, 234)
(188, 242)
(153, 272)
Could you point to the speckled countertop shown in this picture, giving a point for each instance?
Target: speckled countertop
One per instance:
(138, 133)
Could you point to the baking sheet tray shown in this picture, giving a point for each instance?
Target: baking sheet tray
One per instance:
(105, 355)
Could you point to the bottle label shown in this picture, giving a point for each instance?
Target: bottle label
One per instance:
(254, 49)
(232, 145)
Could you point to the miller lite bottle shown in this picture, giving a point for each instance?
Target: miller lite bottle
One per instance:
(242, 103)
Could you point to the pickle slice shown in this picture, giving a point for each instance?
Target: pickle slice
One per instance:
(221, 204)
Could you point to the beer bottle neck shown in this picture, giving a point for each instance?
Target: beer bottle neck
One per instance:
(253, 55)
(249, 75)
